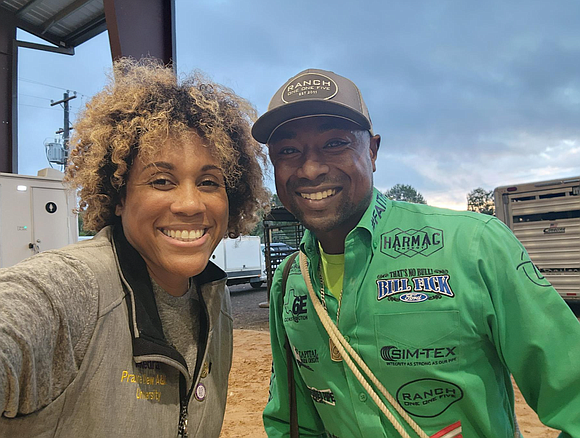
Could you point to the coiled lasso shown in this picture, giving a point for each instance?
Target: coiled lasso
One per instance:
(341, 344)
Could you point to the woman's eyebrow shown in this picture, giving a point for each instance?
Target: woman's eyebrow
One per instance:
(210, 167)
(169, 166)
(163, 164)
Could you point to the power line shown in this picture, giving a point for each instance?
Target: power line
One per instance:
(47, 85)
(36, 106)
(36, 97)
(40, 83)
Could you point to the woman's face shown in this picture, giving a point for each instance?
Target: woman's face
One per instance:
(175, 211)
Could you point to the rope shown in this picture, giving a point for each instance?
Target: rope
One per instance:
(342, 344)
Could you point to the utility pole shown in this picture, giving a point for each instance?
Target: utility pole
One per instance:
(66, 128)
(57, 153)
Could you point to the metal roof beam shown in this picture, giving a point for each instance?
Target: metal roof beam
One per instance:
(28, 6)
(61, 50)
(30, 28)
(63, 13)
(89, 30)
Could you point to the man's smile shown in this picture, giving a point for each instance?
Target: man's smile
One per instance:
(318, 195)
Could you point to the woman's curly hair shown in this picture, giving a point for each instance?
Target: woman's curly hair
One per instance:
(142, 106)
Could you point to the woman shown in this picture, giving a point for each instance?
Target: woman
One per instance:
(130, 333)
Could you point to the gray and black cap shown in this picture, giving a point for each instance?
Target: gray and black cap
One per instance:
(313, 93)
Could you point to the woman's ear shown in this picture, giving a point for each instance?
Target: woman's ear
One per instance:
(119, 207)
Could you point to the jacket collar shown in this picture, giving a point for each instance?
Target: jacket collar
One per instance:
(144, 320)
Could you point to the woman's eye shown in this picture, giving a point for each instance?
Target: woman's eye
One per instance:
(211, 183)
(161, 184)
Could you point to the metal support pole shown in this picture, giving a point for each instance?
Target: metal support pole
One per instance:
(8, 93)
(141, 28)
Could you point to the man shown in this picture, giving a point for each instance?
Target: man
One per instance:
(441, 305)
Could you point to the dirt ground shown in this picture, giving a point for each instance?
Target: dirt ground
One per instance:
(248, 391)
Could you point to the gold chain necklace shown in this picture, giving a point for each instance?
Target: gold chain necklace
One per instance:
(334, 353)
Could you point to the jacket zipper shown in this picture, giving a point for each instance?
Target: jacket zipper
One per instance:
(182, 427)
(183, 415)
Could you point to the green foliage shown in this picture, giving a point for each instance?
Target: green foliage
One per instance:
(82, 231)
(405, 192)
(259, 228)
(275, 201)
(481, 201)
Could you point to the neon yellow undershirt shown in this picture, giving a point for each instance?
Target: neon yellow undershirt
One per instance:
(332, 271)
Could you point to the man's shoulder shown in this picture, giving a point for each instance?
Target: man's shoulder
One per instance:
(428, 213)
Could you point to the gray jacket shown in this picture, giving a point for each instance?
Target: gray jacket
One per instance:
(82, 351)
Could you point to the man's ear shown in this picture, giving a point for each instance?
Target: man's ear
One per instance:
(375, 143)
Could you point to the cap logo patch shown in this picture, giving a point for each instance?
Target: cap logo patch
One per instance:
(309, 86)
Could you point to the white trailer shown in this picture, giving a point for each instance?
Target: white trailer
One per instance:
(241, 258)
(545, 217)
(36, 214)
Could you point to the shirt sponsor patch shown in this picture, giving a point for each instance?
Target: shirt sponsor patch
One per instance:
(409, 243)
(323, 396)
(295, 308)
(531, 271)
(414, 290)
(395, 356)
(304, 357)
(380, 207)
(428, 398)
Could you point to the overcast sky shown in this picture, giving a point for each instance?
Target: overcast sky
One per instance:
(465, 94)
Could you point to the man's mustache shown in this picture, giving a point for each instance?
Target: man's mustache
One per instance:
(304, 183)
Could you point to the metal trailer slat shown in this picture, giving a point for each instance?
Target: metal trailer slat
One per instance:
(553, 244)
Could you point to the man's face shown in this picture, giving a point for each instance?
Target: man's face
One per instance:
(324, 173)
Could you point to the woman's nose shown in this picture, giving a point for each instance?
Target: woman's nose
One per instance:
(187, 201)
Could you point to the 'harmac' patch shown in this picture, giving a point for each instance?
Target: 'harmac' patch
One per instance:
(425, 241)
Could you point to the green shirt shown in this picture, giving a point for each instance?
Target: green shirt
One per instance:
(442, 306)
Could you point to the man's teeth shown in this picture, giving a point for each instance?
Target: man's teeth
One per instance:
(186, 236)
(319, 195)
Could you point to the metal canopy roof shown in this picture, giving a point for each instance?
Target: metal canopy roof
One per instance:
(64, 23)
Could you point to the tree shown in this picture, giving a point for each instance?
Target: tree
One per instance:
(405, 192)
(481, 201)
(259, 228)
(82, 231)
(275, 201)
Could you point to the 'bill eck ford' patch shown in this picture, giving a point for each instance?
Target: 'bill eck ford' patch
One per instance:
(415, 290)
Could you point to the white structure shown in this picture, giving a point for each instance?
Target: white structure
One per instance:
(241, 258)
(545, 217)
(35, 215)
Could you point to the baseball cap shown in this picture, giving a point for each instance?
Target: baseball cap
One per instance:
(312, 93)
